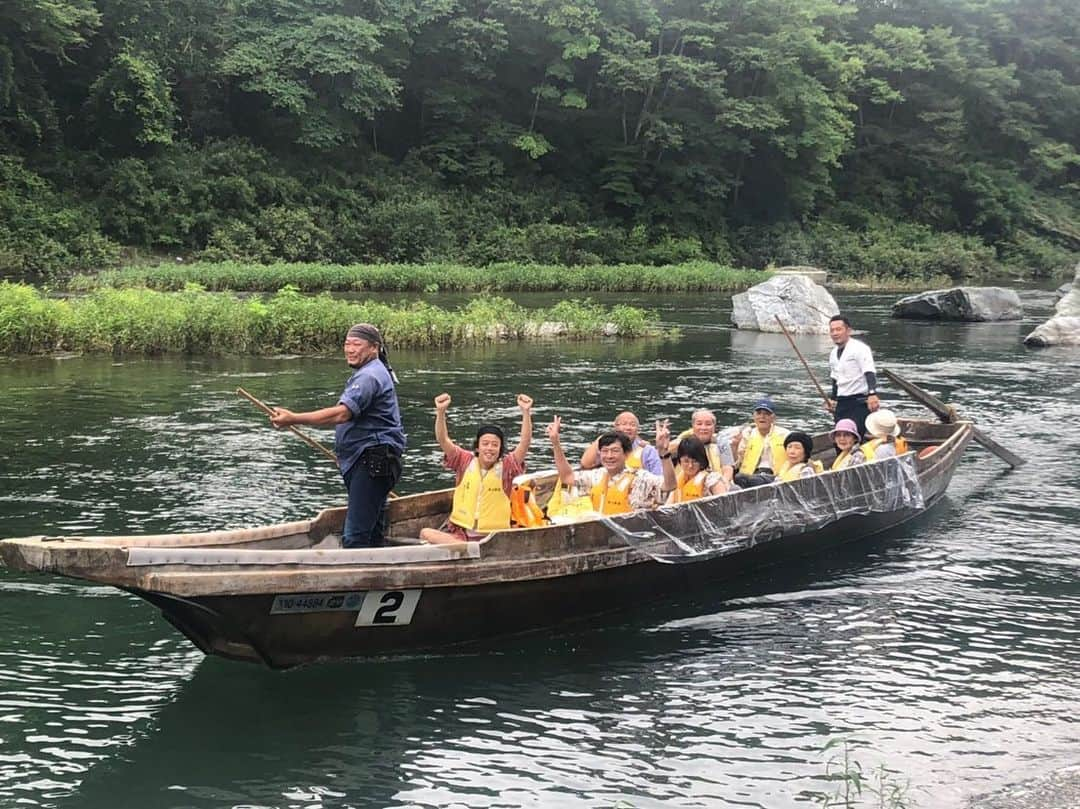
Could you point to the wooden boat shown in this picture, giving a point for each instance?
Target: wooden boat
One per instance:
(282, 595)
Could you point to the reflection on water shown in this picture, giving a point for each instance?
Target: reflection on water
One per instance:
(946, 649)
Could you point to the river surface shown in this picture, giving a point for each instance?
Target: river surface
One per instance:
(947, 651)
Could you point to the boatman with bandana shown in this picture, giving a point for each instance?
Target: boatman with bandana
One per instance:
(484, 476)
(616, 488)
(854, 377)
(368, 435)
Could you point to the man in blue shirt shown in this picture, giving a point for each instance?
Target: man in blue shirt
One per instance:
(368, 435)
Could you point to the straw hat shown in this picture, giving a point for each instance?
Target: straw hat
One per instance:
(882, 423)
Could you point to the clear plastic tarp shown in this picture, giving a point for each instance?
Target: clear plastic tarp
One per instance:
(728, 523)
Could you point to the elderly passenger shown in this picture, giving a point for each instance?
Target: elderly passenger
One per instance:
(642, 455)
(759, 448)
(703, 427)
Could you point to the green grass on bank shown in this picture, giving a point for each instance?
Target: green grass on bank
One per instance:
(198, 322)
(693, 276)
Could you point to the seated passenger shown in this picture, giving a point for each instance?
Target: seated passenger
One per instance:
(846, 437)
(642, 454)
(615, 488)
(759, 448)
(798, 447)
(703, 427)
(693, 477)
(484, 476)
(885, 439)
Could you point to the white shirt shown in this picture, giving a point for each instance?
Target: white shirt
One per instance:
(849, 369)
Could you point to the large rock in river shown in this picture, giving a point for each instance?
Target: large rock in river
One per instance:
(961, 303)
(1064, 327)
(804, 306)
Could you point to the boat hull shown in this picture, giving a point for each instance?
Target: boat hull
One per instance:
(522, 581)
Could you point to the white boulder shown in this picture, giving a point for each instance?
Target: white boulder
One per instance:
(804, 306)
(1063, 329)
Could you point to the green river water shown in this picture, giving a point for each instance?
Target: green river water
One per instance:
(949, 649)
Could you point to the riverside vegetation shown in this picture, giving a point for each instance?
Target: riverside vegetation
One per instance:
(910, 138)
(198, 322)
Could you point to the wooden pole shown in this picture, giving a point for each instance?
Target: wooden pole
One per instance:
(311, 442)
(947, 413)
(806, 365)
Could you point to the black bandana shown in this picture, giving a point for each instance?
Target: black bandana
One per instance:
(365, 331)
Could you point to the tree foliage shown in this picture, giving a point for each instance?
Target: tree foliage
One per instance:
(417, 129)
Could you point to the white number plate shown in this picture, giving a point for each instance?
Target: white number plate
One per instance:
(388, 607)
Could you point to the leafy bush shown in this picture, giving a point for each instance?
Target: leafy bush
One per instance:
(885, 248)
(43, 232)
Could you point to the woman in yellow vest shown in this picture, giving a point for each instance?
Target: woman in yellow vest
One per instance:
(693, 477)
(846, 437)
(615, 488)
(484, 476)
(798, 447)
(885, 439)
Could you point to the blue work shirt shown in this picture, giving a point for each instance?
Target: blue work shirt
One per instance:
(370, 396)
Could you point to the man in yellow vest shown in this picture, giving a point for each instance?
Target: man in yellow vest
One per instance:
(717, 448)
(759, 448)
(616, 488)
(484, 476)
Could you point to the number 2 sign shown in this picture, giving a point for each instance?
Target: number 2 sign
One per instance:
(388, 607)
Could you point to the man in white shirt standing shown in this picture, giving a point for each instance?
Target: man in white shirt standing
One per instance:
(854, 377)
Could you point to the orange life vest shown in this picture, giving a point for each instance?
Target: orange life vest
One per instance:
(612, 496)
(525, 512)
(688, 488)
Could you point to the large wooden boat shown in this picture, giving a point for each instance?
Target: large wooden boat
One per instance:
(282, 595)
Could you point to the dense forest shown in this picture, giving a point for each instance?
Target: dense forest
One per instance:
(911, 137)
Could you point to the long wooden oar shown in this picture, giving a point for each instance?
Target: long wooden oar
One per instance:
(947, 413)
(806, 365)
(307, 439)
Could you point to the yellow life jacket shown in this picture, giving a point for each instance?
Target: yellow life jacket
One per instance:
(633, 460)
(842, 459)
(789, 473)
(563, 508)
(755, 445)
(870, 447)
(713, 451)
(480, 504)
(688, 488)
(613, 496)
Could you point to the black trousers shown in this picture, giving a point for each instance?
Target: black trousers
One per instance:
(369, 481)
(854, 408)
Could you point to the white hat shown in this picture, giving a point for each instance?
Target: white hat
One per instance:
(881, 423)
